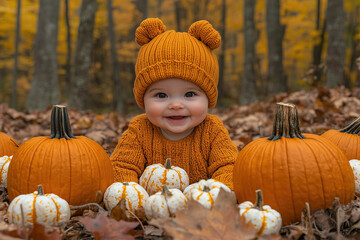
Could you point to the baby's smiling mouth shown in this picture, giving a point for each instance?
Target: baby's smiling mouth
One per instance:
(176, 117)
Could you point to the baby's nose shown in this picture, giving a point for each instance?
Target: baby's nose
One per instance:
(176, 105)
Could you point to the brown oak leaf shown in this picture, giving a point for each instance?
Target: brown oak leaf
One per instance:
(104, 227)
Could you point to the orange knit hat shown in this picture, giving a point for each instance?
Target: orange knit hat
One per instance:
(169, 54)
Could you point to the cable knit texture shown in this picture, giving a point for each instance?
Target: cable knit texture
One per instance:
(169, 54)
(206, 153)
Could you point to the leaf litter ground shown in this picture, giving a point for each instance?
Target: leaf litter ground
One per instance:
(319, 110)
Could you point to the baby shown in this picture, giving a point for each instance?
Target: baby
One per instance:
(176, 84)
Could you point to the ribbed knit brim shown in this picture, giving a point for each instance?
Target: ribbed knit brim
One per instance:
(173, 54)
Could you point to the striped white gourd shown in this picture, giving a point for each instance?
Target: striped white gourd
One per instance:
(205, 191)
(38, 208)
(264, 219)
(4, 166)
(134, 194)
(355, 166)
(164, 204)
(157, 175)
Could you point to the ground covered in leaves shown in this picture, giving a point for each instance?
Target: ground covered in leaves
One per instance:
(319, 110)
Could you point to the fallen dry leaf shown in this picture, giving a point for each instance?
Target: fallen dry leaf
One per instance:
(107, 228)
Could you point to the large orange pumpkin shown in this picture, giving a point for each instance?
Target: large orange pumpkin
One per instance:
(347, 139)
(74, 168)
(293, 168)
(8, 145)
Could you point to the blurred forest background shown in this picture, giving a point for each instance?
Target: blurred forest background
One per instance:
(82, 52)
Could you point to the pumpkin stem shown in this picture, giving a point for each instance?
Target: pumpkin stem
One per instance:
(206, 189)
(166, 191)
(353, 127)
(259, 200)
(40, 190)
(167, 164)
(60, 124)
(286, 123)
(126, 183)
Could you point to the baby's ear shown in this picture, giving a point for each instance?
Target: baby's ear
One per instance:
(148, 30)
(204, 31)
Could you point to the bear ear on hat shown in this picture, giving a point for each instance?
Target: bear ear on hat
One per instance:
(149, 29)
(204, 31)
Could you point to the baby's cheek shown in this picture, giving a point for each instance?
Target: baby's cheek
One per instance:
(199, 110)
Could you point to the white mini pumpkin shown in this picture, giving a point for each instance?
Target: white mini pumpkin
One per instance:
(164, 204)
(134, 194)
(355, 165)
(205, 191)
(157, 175)
(39, 208)
(4, 166)
(264, 219)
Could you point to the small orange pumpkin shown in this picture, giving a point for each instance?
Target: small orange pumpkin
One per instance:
(8, 145)
(74, 168)
(293, 168)
(347, 139)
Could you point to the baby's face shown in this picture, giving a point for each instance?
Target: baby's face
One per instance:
(176, 106)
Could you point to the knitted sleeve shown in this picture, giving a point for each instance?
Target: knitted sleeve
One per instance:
(128, 159)
(222, 156)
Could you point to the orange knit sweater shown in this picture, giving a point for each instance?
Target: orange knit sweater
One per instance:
(206, 153)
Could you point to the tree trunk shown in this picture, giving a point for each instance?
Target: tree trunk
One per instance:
(16, 57)
(84, 44)
(318, 48)
(335, 59)
(44, 90)
(248, 86)
(223, 48)
(275, 34)
(159, 4)
(353, 31)
(68, 53)
(118, 89)
(180, 13)
(357, 45)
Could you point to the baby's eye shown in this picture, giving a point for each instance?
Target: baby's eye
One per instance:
(190, 94)
(161, 95)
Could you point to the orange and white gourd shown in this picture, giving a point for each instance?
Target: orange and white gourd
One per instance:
(4, 166)
(205, 191)
(157, 175)
(38, 208)
(164, 204)
(355, 165)
(134, 194)
(264, 219)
